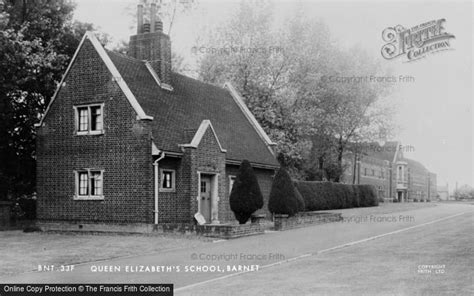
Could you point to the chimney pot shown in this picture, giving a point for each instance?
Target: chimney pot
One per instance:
(153, 16)
(151, 44)
(159, 26)
(140, 18)
(146, 28)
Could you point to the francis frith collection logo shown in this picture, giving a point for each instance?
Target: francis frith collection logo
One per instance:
(416, 42)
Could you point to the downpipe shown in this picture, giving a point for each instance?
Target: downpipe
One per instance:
(157, 186)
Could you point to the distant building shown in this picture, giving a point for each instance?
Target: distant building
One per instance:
(393, 175)
(443, 192)
(432, 186)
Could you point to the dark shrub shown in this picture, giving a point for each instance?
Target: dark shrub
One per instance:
(313, 195)
(356, 198)
(300, 200)
(326, 195)
(246, 196)
(32, 229)
(28, 206)
(368, 196)
(283, 199)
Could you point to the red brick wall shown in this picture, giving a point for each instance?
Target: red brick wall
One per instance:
(206, 158)
(123, 151)
(174, 207)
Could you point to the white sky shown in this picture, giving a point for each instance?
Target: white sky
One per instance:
(435, 111)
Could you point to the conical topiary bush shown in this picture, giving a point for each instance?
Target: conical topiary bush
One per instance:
(283, 199)
(246, 197)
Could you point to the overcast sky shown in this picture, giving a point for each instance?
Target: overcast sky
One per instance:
(435, 111)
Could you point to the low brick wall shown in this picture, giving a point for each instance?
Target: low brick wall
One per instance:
(230, 231)
(283, 222)
(67, 226)
(224, 231)
(5, 217)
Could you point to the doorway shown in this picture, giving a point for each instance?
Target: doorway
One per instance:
(205, 198)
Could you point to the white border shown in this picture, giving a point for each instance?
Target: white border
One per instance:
(76, 120)
(240, 102)
(87, 197)
(157, 79)
(205, 124)
(173, 180)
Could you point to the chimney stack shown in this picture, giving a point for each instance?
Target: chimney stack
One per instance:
(151, 44)
(140, 18)
(152, 16)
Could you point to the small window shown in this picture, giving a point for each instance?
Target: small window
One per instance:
(167, 180)
(89, 184)
(365, 171)
(373, 172)
(89, 120)
(203, 187)
(231, 183)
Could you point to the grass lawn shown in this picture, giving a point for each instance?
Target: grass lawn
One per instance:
(22, 252)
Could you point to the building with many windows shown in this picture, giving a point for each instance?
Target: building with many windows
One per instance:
(393, 175)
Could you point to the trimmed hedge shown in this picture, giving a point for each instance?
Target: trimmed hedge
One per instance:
(319, 196)
(300, 200)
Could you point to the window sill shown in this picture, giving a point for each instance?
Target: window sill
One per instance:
(95, 197)
(95, 133)
(167, 190)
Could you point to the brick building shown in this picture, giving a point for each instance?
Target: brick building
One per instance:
(368, 170)
(126, 140)
(393, 175)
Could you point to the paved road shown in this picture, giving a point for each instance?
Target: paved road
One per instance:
(212, 265)
(433, 259)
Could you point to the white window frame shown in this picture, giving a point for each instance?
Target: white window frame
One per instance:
(89, 179)
(89, 118)
(232, 179)
(173, 180)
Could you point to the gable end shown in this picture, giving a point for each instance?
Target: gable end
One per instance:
(258, 128)
(113, 70)
(205, 124)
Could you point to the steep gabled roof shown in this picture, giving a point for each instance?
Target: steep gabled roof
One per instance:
(113, 70)
(176, 110)
(197, 137)
(183, 109)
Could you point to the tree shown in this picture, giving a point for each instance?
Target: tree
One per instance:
(249, 52)
(36, 43)
(291, 90)
(283, 197)
(464, 192)
(245, 197)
